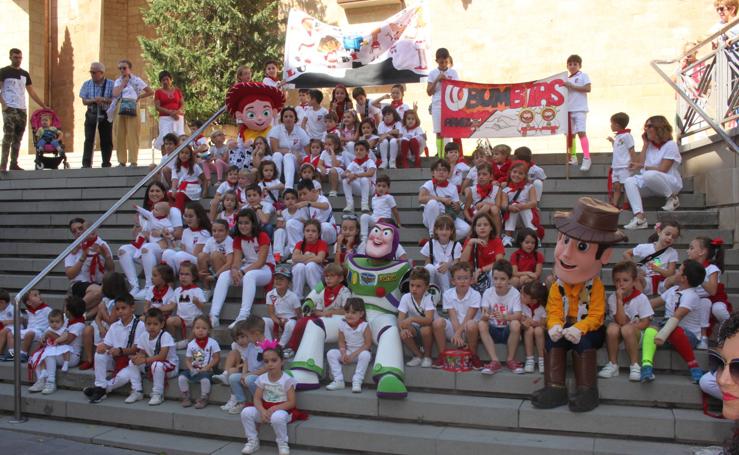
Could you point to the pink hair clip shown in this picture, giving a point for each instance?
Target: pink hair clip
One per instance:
(269, 344)
(657, 226)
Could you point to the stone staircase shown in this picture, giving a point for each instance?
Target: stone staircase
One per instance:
(444, 412)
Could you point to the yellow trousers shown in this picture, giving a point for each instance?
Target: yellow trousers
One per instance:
(127, 138)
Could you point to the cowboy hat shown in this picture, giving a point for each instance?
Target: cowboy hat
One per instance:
(591, 221)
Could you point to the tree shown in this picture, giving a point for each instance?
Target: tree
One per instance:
(202, 43)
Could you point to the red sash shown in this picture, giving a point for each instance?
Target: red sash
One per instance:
(295, 413)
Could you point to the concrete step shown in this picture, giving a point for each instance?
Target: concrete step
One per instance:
(379, 436)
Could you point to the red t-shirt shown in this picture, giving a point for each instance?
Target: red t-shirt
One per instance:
(250, 246)
(526, 262)
(314, 248)
(169, 101)
(486, 254)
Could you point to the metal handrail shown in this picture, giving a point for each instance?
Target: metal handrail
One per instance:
(18, 415)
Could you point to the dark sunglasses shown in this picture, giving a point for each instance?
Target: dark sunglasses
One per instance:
(716, 365)
(720, 8)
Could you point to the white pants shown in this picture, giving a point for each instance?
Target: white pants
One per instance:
(436, 116)
(52, 362)
(252, 279)
(334, 362)
(287, 331)
(539, 187)
(295, 232)
(160, 371)
(708, 385)
(302, 273)
(103, 363)
(388, 146)
(361, 185)
(526, 218)
(649, 183)
(151, 254)
(366, 221)
(250, 417)
(441, 280)
(169, 125)
(279, 242)
(175, 258)
(433, 210)
(348, 152)
(286, 164)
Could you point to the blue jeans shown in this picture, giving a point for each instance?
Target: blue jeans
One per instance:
(196, 378)
(499, 334)
(237, 389)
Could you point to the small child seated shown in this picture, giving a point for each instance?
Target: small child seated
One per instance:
(355, 342)
(485, 196)
(412, 139)
(279, 242)
(383, 206)
(217, 254)
(264, 209)
(190, 301)
(416, 313)
(629, 314)
(536, 175)
(234, 360)
(623, 155)
(47, 134)
(161, 293)
(203, 355)
(519, 201)
(459, 168)
(441, 252)
(283, 305)
(360, 176)
(534, 321)
(251, 361)
(440, 197)
(37, 323)
(389, 131)
(332, 162)
(157, 223)
(501, 162)
(308, 258)
(315, 206)
(657, 260)
(527, 260)
(6, 317)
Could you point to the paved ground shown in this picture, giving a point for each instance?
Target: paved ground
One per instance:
(17, 443)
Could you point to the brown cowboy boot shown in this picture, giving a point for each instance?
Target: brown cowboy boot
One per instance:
(554, 393)
(585, 397)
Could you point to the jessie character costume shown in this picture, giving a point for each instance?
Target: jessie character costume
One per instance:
(256, 105)
(576, 306)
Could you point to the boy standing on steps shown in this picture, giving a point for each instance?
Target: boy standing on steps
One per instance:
(578, 84)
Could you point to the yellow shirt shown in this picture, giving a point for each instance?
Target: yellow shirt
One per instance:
(249, 135)
(589, 315)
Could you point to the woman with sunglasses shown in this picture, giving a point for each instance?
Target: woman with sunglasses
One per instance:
(128, 89)
(726, 11)
(724, 369)
(658, 165)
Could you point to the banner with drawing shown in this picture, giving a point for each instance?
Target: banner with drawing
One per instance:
(537, 108)
(390, 52)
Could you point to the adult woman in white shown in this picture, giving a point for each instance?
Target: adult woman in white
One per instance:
(170, 105)
(148, 254)
(289, 144)
(659, 171)
(194, 236)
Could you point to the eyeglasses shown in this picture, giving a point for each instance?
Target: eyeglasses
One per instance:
(122, 68)
(648, 125)
(716, 365)
(95, 71)
(720, 9)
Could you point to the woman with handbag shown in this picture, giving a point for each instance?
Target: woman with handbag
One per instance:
(128, 89)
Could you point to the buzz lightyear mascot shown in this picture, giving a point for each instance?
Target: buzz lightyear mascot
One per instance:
(376, 278)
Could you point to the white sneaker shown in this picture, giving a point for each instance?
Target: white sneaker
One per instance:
(393, 166)
(635, 373)
(673, 202)
(222, 378)
(335, 385)
(701, 346)
(250, 447)
(155, 399)
(383, 165)
(349, 208)
(573, 160)
(49, 388)
(229, 404)
(426, 362)
(215, 322)
(233, 324)
(414, 362)
(182, 344)
(134, 397)
(529, 365)
(507, 240)
(356, 386)
(38, 386)
(637, 223)
(366, 208)
(283, 448)
(333, 193)
(585, 165)
(65, 366)
(541, 365)
(236, 409)
(609, 371)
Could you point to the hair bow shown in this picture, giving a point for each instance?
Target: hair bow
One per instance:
(658, 226)
(717, 241)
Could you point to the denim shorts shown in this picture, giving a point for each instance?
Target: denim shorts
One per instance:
(499, 334)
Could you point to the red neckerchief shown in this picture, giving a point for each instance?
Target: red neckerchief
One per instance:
(534, 307)
(96, 265)
(267, 180)
(623, 131)
(517, 186)
(573, 74)
(202, 342)
(361, 161)
(34, 310)
(396, 104)
(79, 320)
(303, 104)
(185, 164)
(198, 229)
(440, 184)
(658, 144)
(354, 326)
(484, 190)
(706, 263)
(634, 294)
(273, 80)
(159, 293)
(188, 287)
(89, 242)
(330, 294)
(139, 242)
(334, 130)
(392, 122)
(163, 217)
(313, 162)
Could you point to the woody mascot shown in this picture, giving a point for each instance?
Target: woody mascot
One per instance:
(577, 303)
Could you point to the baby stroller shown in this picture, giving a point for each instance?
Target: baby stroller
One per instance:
(55, 156)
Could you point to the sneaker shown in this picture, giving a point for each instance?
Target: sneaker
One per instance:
(186, 402)
(201, 402)
(635, 373)
(233, 324)
(24, 356)
(696, 374)
(608, 371)
(335, 385)
(250, 447)
(529, 366)
(333, 193)
(514, 366)
(283, 448)
(134, 397)
(426, 362)
(85, 365)
(366, 208)
(647, 373)
(438, 363)
(585, 165)
(98, 395)
(38, 385)
(236, 409)
(414, 362)
(673, 202)
(356, 386)
(492, 367)
(702, 344)
(573, 160)
(88, 391)
(541, 365)
(155, 399)
(65, 366)
(215, 322)
(349, 208)
(507, 240)
(9, 357)
(15, 167)
(182, 344)
(222, 378)
(49, 388)
(476, 362)
(381, 166)
(393, 166)
(230, 403)
(637, 223)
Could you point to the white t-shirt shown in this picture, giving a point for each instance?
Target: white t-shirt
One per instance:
(356, 168)
(201, 356)
(578, 101)
(523, 196)
(275, 392)
(213, 246)
(635, 309)
(175, 217)
(146, 344)
(536, 173)
(643, 250)
(225, 186)
(416, 132)
(299, 214)
(354, 337)
(382, 206)
(509, 303)
(449, 191)
(383, 127)
(459, 172)
(434, 74)
(250, 354)
(156, 303)
(442, 253)
(76, 329)
(7, 313)
(186, 308)
(539, 314)
(285, 305)
(315, 126)
(669, 151)
(133, 89)
(453, 302)
(190, 239)
(413, 309)
(488, 197)
(328, 161)
(296, 140)
(710, 270)
(472, 175)
(189, 183)
(622, 143)
(270, 82)
(14, 86)
(38, 320)
(301, 109)
(689, 299)
(319, 298)
(84, 275)
(323, 215)
(118, 334)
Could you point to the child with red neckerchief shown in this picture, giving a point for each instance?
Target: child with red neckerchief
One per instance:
(360, 176)
(396, 100)
(332, 125)
(459, 169)
(268, 180)
(202, 356)
(383, 206)
(518, 201)
(188, 182)
(623, 155)
(536, 173)
(716, 306)
(389, 141)
(190, 301)
(484, 196)
(231, 184)
(657, 259)
(413, 139)
(355, 342)
(501, 162)
(439, 197)
(161, 292)
(332, 162)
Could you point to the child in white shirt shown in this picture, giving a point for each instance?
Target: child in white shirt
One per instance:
(623, 154)
(190, 301)
(283, 306)
(313, 122)
(202, 356)
(534, 319)
(459, 168)
(355, 342)
(383, 207)
(332, 162)
(536, 175)
(281, 247)
(416, 313)
(440, 197)
(413, 139)
(441, 252)
(360, 176)
(389, 132)
(156, 223)
(314, 206)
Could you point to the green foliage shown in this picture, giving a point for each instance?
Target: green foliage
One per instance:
(202, 43)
